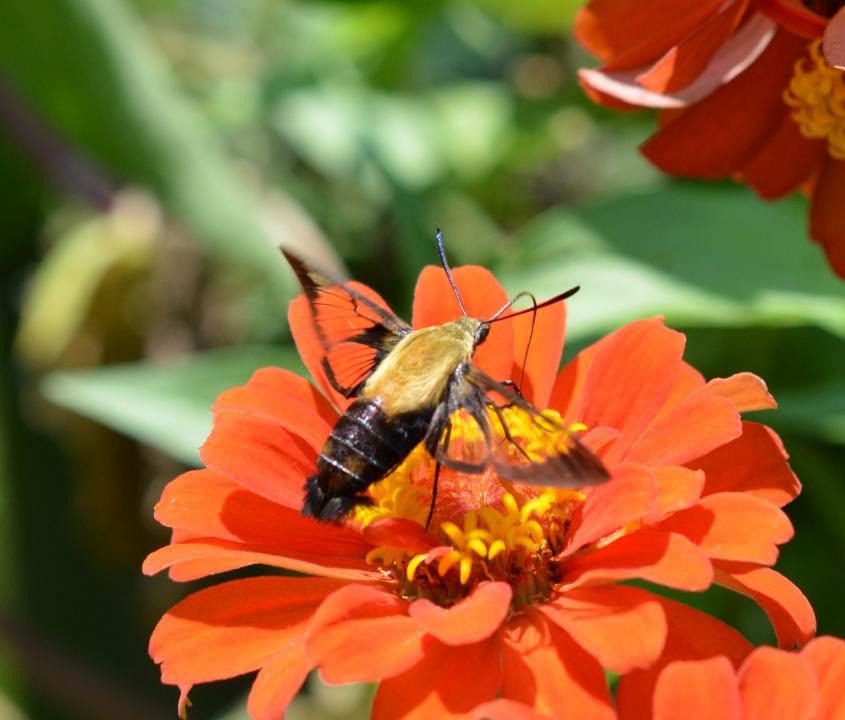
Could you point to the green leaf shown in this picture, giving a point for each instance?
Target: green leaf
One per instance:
(816, 410)
(166, 406)
(700, 256)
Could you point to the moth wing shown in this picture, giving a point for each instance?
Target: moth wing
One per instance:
(355, 328)
(485, 422)
(459, 433)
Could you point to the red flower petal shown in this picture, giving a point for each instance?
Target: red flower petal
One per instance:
(664, 558)
(697, 690)
(277, 682)
(547, 670)
(609, 28)
(677, 488)
(790, 612)
(745, 390)
(627, 497)
(435, 304)
(471, 620)
(294, 416)
(786, 161)
(544, 351)
(503, 709)
(401, 534)
(621, 627)
(569, 384)
(261, 457)
(794, 16)
(684, 62)
(253, 619)
(694, 427)
(629, 379)
(212, 505)
(449, 682)
(827, 656)
(362, 634)
(687, 381)
(827, 222)
(733, 526)
(778, 685)
(208, 556)
(692, 635)
(754, 463)
(748, 108)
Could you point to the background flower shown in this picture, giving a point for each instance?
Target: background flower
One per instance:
(512, 594)
(744, 91)
(769, 683)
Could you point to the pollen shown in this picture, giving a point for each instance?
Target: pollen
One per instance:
(817, 95)
(483, 527)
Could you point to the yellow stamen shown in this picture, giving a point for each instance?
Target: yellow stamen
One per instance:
(817, 94)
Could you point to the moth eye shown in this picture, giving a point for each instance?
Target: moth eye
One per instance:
(482, 333)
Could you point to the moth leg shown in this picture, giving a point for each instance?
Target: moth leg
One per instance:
(513, 386)
(437, 467)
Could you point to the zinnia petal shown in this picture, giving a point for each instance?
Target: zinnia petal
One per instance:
(471, 620)
(297, 417)
(827, 222)
(547, 670)
(212, 505)
(629, 379)
(503, 709)
(253, 619)
(692, 635)
(778, 685)
(754, 464)
(261, 457)
(208, 556)
(449, 682)
(696, 690)
(733, 526)
(660, 557)
(827, 656)
(362, 634)
(627, 497)
(697, 425)
(686, 60)
(749, 110)
(788, 609)
(622, 627)
(278, 681)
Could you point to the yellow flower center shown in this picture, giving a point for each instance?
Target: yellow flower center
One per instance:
(486, 527)
(817, 95)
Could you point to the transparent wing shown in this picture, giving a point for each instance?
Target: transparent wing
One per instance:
(355, 327)
(484, 422)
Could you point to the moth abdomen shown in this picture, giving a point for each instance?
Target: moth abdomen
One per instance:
(364, 446)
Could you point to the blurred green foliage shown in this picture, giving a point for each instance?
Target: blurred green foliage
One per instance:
(152, 155)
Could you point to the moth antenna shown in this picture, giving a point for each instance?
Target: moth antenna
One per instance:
(438, 236)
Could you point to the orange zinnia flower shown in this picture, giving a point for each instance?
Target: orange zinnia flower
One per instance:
(769, 684)
(513, 596)
(744, 91)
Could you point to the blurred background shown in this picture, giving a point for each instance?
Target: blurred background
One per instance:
(152, 155)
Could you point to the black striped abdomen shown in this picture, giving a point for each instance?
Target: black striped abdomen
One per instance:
(364, 446)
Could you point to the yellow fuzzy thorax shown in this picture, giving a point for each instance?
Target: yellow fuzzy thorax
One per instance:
(817, 95)
(486, 527)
